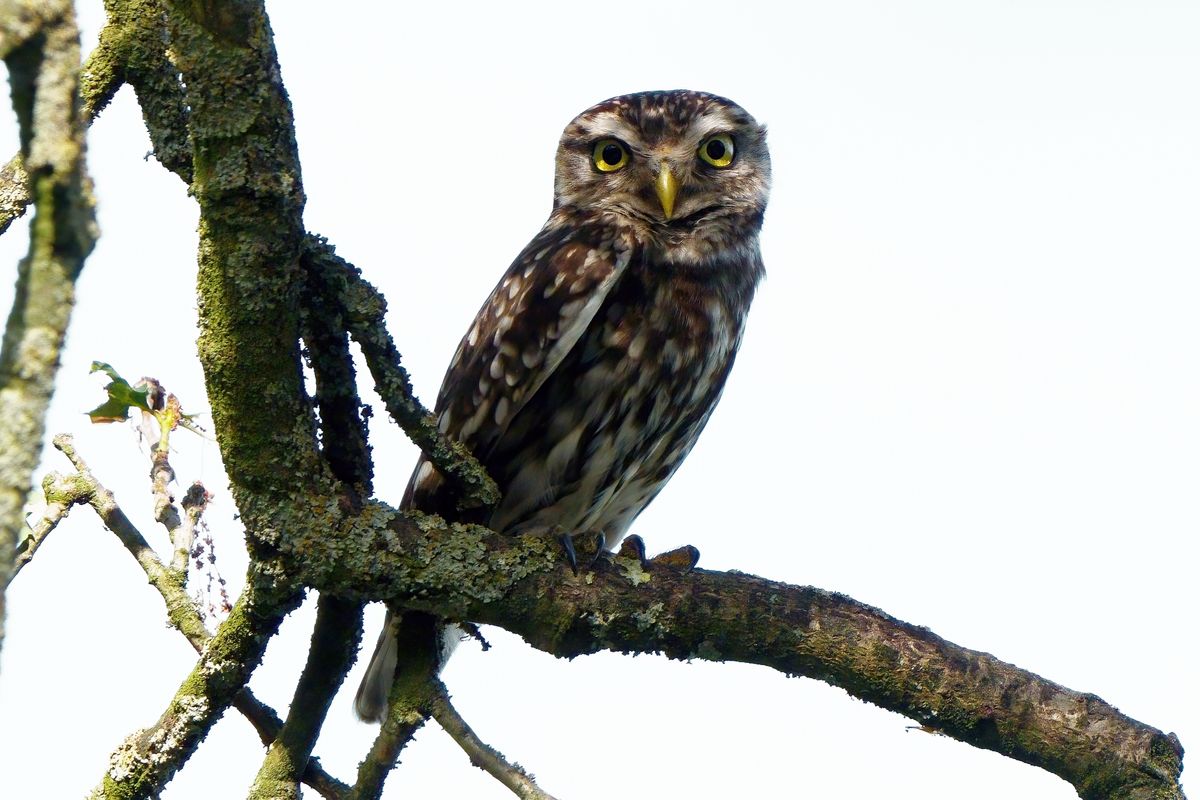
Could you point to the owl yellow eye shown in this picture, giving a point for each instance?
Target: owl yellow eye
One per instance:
(717, 150)
(609, 155)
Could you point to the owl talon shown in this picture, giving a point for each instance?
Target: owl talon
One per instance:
(602, 553)
(568, 547)
(684, 558)
(633, 547)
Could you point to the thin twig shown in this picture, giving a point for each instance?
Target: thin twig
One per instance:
(180, 610)
(194, 503)
(483, 755)
(162, 475)
(84, 487)
(62, 492)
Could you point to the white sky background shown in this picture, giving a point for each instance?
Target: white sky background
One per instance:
(968, 393)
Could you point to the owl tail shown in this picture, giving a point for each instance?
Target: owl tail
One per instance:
(371, 702)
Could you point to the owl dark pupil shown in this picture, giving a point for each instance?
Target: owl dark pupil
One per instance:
(715, 150)
(611, 154)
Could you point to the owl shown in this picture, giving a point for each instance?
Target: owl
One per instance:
(589, 372)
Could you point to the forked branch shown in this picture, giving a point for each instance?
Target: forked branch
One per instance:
(82, 487)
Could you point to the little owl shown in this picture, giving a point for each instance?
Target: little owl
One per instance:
(591, 369)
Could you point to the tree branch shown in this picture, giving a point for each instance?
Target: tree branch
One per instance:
(83, 487)
(267, 723)
(40, 45)
(247, 182)
(61, 492)
(162, 475)
(300, 524)
(127, 51)
(14, 192)
(335, 642)
(133, 45)
(180, 609)
(364, 308)
(519, 584)
(338, 630)
(410, 701)
(66, 491)
(149, 758)
(344, 434)
(482, 755)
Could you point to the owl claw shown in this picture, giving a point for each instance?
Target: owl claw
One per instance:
(568, 547)
(633, 547)
(602, 552)
(684, 558)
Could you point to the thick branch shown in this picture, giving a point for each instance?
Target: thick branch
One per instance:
(133, 45)
(40, 45)
(410, 701)
(335, 642)
(465, 572)
(247, 183)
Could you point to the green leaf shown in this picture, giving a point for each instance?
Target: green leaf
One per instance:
(121, 397)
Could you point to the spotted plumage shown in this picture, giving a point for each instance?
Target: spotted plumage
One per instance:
(590, 371)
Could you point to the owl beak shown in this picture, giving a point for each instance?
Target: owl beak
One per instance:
(666, 186)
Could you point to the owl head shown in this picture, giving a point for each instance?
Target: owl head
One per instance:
(688, 168)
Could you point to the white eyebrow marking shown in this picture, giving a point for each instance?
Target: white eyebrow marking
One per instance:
(611, 125)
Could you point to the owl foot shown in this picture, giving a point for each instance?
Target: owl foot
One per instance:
(568, 547)
(579, 547)
(684, 558)
(632, 546)
(592, 548)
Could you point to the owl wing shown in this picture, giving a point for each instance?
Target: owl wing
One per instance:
(535, 315)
